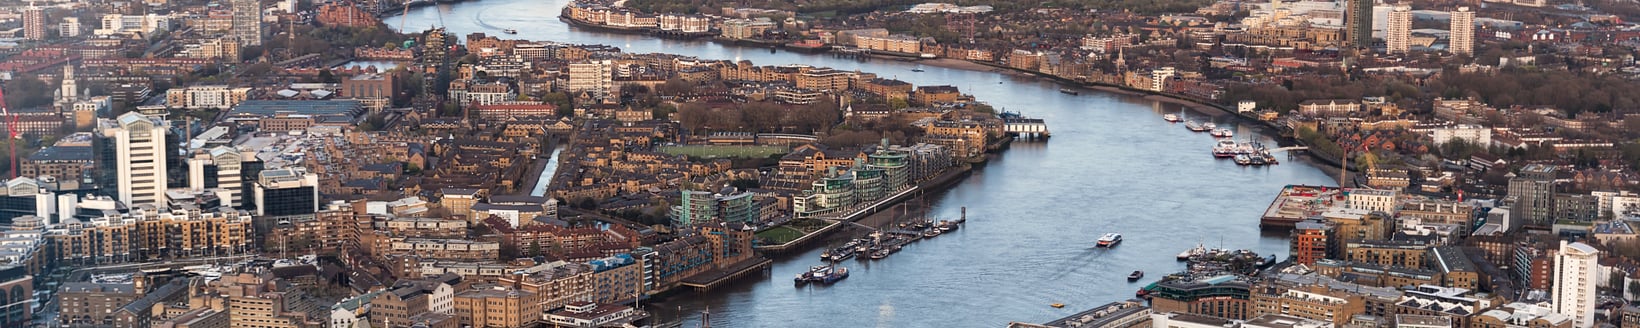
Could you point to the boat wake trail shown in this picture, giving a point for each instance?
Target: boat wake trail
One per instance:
(480, 21)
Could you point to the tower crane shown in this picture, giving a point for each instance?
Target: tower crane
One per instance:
(11, 131)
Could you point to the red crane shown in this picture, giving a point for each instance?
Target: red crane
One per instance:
(11, 132)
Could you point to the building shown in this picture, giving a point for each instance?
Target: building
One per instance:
(1462, 39)
(497, 307)
(131, 151)
(247, 21)
(590, 315)
(61, 162)
(1310, 242)
(91, 304)
(1311, 301)
(146, 233)
(1523, 315)
(1161, 319)
(1372, 200)
(205, 97)
(217, 169)
(34, 23)
(135, 25)
(285, 192)
(1477, 135)
(730, 205)
(70, 27)
(1575, 282)
(1398, 36)
(1222, 296)
(16, 295)
(593, 75)
(1532, 192)
(1358, 23)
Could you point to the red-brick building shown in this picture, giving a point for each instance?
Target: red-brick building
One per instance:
(345, 14)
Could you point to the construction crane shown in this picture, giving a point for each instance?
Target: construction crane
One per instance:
(11, 131)
(10, 127)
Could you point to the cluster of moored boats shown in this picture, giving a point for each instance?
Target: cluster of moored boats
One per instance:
(1244, 153)
(1203, 262)
(1209, 127)
(876, 246)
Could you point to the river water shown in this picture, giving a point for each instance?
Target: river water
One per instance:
(1113, 165)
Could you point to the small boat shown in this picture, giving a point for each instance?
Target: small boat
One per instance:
(1243, 159)
(1210, 125)
(1069, 91)
(1195, 127)
(834, 275)
(1225, 149)
(1136, 275)
(918, 70)
(1057, 305)
(509, 31)
(814, 274)
(931, 233)
(1226, 133)
(1171, 117)
(1142, 293)
(947, 226)
(1110, 240)
(1187, 254)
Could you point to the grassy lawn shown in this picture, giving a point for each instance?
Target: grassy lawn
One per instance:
(780, 235)
(714, 151)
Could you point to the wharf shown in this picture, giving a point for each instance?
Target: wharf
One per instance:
(1127, 313)
(947, 178)
(711, 279)
(1296, 203)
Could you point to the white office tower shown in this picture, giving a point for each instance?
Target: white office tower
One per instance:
(132, 149)
(1574, 285)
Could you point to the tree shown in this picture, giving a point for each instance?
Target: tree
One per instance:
(27, 91)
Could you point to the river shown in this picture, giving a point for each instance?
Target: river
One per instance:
(1113, 165)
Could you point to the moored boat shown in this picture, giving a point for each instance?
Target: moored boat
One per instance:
(834, 275)
(1210, 125)
(1225, 149)
(1243, 159)
(1195, 127)
(1110, 240)
(1171, 117)
(1199, 250)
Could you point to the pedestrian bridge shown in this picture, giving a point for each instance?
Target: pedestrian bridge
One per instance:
(1027, 127)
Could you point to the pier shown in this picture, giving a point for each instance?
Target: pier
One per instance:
(705, 281)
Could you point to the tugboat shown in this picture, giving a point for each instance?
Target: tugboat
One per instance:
(1069, 91)
(1171, 117)
(1110, 240)
(1136, 275)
